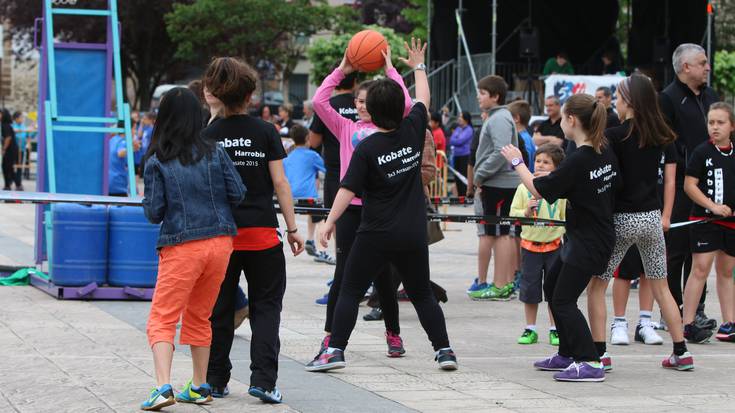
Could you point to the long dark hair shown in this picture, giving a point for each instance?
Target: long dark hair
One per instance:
(648, 120)
(178, 127)
(6, 116)
(6, 123)
(467, 118)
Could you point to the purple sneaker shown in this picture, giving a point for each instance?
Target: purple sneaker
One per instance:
(581, 372)
(553, 363)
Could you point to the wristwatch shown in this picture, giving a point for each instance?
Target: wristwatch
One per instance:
(515, 162)
(420, 66)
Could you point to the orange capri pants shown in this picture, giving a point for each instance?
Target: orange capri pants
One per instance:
(189, 280)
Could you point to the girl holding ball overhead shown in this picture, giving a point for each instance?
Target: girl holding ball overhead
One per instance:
(350, 134)
(385, 170)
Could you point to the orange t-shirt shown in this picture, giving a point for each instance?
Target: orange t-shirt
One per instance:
(255, 239)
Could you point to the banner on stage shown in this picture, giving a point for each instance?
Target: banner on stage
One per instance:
(564, 86)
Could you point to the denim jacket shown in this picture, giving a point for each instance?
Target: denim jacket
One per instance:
(193, 201)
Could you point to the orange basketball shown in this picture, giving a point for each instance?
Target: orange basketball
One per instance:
(364, 51)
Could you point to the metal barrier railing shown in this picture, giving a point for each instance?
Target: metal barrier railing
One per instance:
(439, 187)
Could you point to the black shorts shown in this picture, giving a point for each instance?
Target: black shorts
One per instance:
(711, 237)
(631, 268)
(496, 202)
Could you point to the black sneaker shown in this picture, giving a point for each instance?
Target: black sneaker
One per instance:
(446, 359)
(375, 314)
(697, 335)
(702, 321)
(326, 361)
(219, 392)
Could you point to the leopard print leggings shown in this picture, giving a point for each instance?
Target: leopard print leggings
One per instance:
(644, 230)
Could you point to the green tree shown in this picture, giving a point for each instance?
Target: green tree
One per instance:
(417, 14)
(724, 79)
(146, 50)
(273, 31)
(326, 53)
(724, 24)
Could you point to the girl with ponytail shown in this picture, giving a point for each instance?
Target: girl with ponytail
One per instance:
(588, 179)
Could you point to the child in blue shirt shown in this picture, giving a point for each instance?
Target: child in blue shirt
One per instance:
(302, 166)
(117, 173)
(521, 111)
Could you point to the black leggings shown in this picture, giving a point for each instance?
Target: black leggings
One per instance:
(347, 226)
(9, 170)
(678, 252)
(460, 164)
(373, 252)
(563, 286)
(265, 272)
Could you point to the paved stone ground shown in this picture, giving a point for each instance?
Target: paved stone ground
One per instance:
(93, 357)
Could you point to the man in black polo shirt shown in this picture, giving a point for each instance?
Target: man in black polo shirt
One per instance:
(685, 103)
(549, 131)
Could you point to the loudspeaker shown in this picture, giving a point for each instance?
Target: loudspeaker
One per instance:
(661, 50)
(528, 44)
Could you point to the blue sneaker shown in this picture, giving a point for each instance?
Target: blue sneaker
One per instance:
(159, 398)
(476, 287)
(726, 332)
(323, 300)
(220, 392)
(272, 396)
(517, 281)
(196, 395)
(310, 247)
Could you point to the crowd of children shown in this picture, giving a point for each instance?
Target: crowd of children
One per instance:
(211, 184)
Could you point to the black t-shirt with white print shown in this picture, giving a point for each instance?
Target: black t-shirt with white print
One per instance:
(669, 156)
(588, 181)
(639, 168)
(715, 169)
(344, 104)
(251, 143)
(385, 171)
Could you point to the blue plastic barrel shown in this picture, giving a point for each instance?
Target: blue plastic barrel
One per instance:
(133, 259)
(79, 247)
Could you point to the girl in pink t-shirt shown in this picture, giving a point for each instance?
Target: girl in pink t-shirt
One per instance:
(350, 134)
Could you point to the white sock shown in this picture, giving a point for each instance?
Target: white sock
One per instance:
(620, 319)
(531, 327)
(552, 328)
(645, 317)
